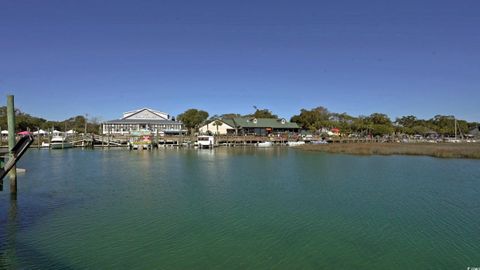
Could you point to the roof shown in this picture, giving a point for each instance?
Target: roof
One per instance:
(475, 131)
(244, 122)
(134, 112)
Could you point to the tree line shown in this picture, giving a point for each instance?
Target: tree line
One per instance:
(375, 124)
(313, 120)
(379, 124)
(26, 122)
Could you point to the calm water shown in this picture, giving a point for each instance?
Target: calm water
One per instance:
(240, 209)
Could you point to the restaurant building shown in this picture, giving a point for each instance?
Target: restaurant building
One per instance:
(249, 126)
(144, 120)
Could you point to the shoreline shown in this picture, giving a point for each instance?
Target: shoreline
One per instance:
(440, 150)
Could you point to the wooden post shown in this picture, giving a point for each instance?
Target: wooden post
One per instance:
(38, 138)
(11, 141)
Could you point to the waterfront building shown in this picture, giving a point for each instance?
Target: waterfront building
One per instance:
(218, 127)
(143, 120)
(475, 132)
(249, 126)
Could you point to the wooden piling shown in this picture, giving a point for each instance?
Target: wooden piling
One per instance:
(38, 138)
(11, 141)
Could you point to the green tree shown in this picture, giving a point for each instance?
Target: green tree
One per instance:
(379, 119)
(313, 119)
(407, 121)
(262, 113)
(443, 124)
(217, 123)
(230, 115)
(379, 124)
(192, 118)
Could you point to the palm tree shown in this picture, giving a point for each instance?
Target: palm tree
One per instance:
(217, 123)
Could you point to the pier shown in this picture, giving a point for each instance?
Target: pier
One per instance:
(107, 141)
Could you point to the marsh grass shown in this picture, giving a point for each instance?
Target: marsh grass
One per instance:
(441, 150)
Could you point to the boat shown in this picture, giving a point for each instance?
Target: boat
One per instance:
(59, 142)
(205, 141)
(140, 146)
(45, 145)
(143, 143)
(295, 143)
(265, 144)
(319, 142)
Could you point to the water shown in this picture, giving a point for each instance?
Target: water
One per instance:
(240, 208)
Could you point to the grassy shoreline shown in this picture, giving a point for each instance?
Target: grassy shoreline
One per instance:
(441, 150)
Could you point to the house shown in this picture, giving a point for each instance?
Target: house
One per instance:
(144, 120)
(249, 126)
(329, 131)
(218, 127)
(475, 132)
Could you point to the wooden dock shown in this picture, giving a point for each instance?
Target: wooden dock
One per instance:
(105, 141)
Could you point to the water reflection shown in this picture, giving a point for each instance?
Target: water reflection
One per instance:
(14, 254)
(8, 237)
(192, 208)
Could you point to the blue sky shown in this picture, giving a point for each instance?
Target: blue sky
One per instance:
(65, 58)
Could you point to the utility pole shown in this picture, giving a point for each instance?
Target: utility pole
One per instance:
(455, 129)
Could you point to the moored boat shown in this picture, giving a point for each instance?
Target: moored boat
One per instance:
(59, 142)
(319, 142)
(45, 145)
(144, 142)
(295, 143)
(265, 144)
(205, 141)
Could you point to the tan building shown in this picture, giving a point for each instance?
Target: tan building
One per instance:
(217, 127)
(249, 125)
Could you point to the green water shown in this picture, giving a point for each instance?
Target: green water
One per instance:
(240, 208)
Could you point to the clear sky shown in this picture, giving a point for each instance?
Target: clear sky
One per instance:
(65, 58)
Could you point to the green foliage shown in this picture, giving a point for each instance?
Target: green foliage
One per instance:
(262, 113)
(378, 124)
(217, 123)
(230, 115)
(192, 118)
(379, 119)
(25, 121)
(313, 119)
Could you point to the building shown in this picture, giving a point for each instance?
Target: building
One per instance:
(475, 132)
(143, 120)
(218, 127)
(249, 126)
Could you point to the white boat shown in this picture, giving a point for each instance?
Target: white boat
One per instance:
(59, 142)
(295, 143)
(45, 145)
(140, 146)
(205, 141)
(265, 144)
(319, 142)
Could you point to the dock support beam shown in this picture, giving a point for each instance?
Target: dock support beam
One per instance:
(11, 141)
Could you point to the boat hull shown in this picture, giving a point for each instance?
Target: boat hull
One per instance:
(265, 144)
(293, 144)
(61, 145)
